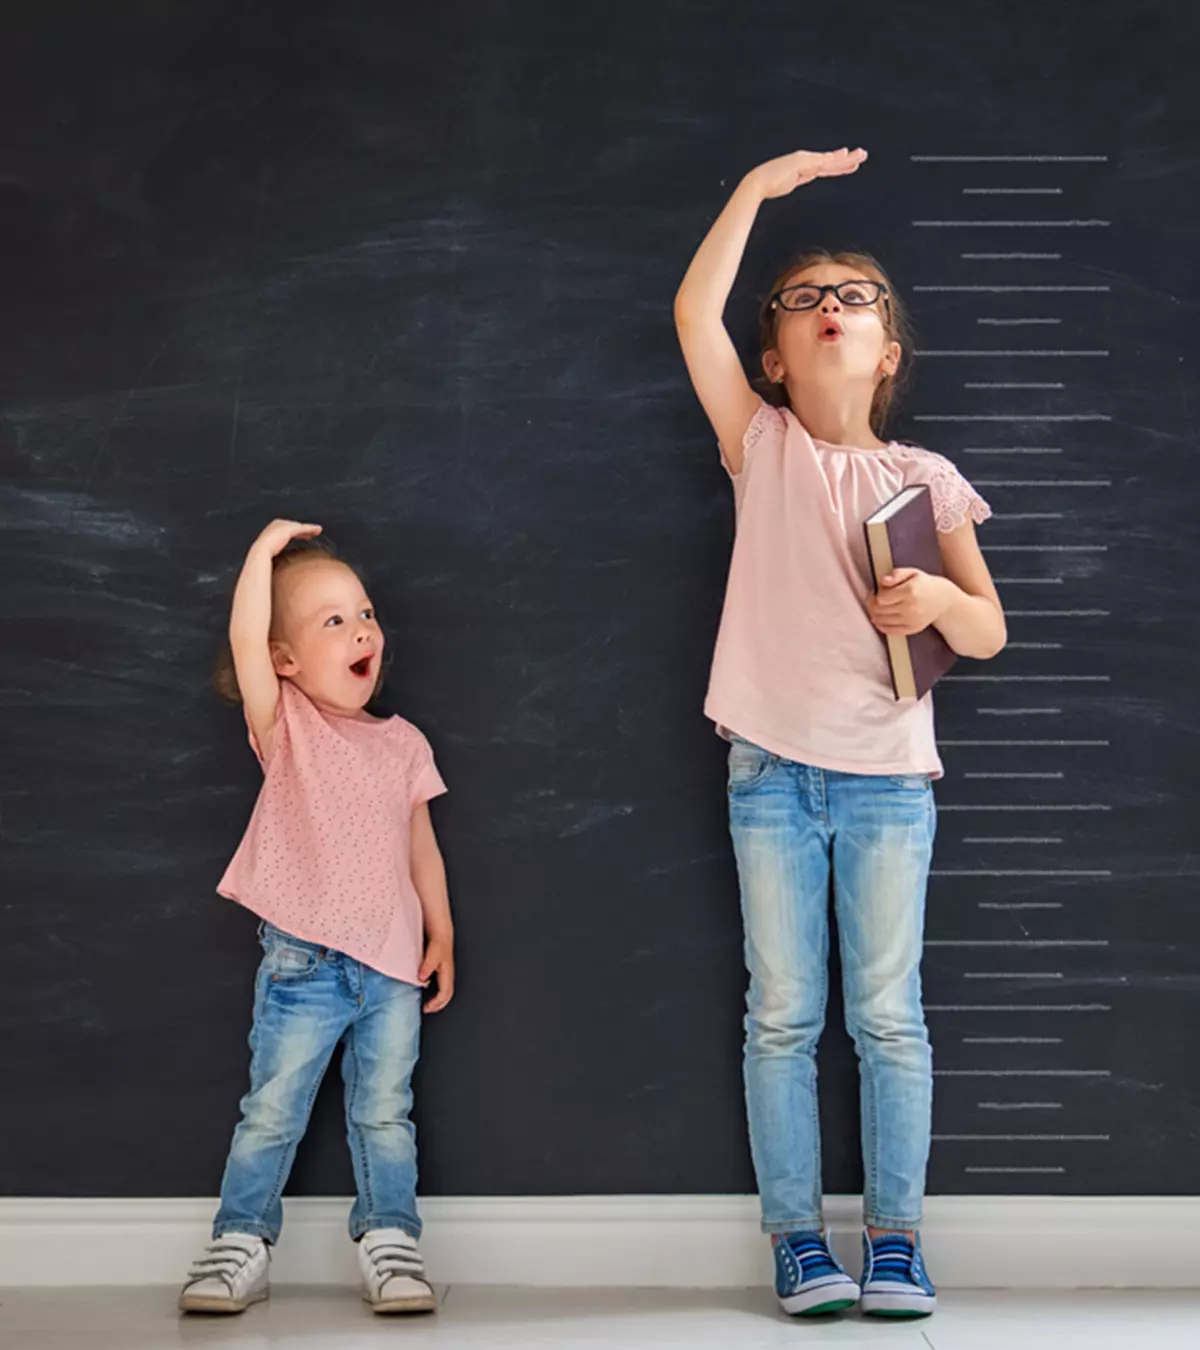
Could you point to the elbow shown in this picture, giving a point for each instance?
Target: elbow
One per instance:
(995, 643)
(981, 646)
(690, 312)
(1000, 636)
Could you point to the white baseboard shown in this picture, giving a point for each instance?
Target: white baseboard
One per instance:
(1057, 1242)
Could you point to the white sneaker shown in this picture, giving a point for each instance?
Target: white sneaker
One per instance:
(393, 1273)
(230, 1276)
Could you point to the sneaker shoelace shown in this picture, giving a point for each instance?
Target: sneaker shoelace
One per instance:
(892, 1259)
(812, 1256)
(225, 1262)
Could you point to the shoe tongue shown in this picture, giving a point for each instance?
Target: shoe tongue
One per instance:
(811, 1249)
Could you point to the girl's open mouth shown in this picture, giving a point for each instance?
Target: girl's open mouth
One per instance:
(362, 668)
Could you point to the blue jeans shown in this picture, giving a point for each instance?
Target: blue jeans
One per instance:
(794, 829)
(306, 999)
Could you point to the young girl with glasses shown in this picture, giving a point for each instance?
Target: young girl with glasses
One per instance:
(829, 774)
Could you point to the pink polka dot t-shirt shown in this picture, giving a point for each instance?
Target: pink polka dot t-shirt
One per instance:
(326, 856)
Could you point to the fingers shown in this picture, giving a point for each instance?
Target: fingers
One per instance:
(839, 162)
(900, 575)
(279, 533)
(438, 964)
(893, 599)
(445, 989)
(893, 615)
(784, 175)
(282, 523)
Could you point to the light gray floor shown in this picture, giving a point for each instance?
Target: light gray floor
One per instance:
(334, 1319)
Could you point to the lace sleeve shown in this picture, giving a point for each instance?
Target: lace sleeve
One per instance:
(955, 501)
(766, 423)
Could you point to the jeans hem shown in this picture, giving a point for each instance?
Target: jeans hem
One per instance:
(260, 1230)
(778, 1227)
(882, 1221)
(361, 1227)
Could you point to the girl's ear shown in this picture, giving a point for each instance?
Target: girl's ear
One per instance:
(772, 364)
(891, 360)
(282, 659)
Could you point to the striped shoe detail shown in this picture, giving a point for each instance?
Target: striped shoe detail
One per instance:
(809, 1279)
(895, 1282)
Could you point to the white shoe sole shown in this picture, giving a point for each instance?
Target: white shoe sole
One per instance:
(898, 1305)
(827, 1298)
(208, 1303)
(414, 1303)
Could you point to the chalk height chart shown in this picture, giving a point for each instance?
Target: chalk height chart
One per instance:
(1019, 979)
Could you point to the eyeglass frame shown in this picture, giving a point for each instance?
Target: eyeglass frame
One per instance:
(776, 301)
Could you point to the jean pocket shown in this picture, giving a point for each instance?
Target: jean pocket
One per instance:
(911, 782)
(284, 960)
(748, 765)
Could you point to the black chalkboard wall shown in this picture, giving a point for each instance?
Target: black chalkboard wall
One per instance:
(407, 270)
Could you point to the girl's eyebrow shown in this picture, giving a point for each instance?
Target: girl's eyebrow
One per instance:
(338, 605)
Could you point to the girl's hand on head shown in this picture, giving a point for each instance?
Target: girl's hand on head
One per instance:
(909, 601)
(439, 963)
(280, 533)
(778, 177)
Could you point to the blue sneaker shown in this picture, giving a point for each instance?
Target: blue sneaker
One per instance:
(894, 1282)
(809, 1279)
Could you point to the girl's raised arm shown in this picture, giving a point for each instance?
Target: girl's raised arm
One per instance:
(712, 361)
(250, 628)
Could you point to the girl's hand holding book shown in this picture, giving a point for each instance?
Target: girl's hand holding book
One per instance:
(909, 601)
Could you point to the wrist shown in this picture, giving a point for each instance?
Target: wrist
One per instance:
(261, 553)
(948, 597)
(751, 188)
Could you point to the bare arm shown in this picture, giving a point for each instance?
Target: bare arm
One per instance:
(712, 360)
(250, 628)
(973, 620)
(429, 877)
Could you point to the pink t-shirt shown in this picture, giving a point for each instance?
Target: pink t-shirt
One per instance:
(326, 856)
(799, 669)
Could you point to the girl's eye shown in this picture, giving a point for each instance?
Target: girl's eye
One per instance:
(333, 621)
(368, 614)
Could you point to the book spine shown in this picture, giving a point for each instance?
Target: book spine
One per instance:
(904, 683)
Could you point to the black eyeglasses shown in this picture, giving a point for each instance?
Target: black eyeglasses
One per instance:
(853, 293)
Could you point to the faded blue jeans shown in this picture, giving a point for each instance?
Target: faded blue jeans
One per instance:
(794, 829)
(306, 999)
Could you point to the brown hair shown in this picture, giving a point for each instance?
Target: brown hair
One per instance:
(895, 325)
(298, 551)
